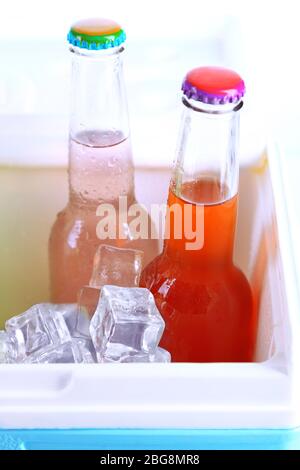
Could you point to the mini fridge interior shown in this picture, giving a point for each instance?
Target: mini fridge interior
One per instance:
(171, 406)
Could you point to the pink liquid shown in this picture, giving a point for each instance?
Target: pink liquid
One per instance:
(100, 170)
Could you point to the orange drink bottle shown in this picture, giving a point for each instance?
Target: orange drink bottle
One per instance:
(205, 300)
(100, 160)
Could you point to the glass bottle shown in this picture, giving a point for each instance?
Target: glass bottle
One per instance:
(100, 161)
(206, 301)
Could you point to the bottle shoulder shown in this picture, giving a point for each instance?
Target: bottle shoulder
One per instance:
(164, 270)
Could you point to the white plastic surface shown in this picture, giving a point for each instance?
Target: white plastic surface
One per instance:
(259, 395)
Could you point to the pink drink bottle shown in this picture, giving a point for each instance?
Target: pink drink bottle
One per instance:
(100, 159)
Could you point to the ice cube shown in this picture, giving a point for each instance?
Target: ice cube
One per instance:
(77, 321)
(126, 322)
(160, 355)
(7, 348)
(40, 328)
(69, 312)
(62, 353)
(116, 266)
(88, 298)
(85, 350)
(75, 351)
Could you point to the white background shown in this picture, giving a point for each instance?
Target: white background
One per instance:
(260, 39)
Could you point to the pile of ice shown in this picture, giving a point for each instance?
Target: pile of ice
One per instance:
(114, 320)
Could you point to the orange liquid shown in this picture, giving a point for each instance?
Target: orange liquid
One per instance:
(204, 299)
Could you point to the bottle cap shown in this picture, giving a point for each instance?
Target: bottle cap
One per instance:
(96, 33)
(213, 85)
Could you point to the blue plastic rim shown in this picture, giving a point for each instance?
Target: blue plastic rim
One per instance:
(149, 439)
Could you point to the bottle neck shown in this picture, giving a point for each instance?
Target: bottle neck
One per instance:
(206, 176)
(207, 149)
(100, 159)
(98, 95)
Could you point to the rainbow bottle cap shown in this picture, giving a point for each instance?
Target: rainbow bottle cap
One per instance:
(213, 85)
(96, 34)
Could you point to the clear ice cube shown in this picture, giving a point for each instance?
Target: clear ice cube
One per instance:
(62, 353)
(88, 298)
(70, 314)
(116, 266)
(126, 322)
(7, 350)
(75, 351)
(40, 328)
(85, 350)
(77, 321)
(160, 355)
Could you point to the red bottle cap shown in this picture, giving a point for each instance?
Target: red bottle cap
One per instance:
(213, 85)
